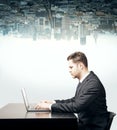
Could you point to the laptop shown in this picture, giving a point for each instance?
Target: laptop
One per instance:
(30, 107)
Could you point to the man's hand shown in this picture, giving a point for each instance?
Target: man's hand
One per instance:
(42, 105)
(45, 104)
(48, 101)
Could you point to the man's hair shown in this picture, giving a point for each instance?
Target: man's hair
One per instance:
(78, 56)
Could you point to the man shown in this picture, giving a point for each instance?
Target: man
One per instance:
(89, 101)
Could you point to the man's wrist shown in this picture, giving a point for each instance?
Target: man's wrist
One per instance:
(51, 105)
(54, 101)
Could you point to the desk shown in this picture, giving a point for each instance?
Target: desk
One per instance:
(14, 116)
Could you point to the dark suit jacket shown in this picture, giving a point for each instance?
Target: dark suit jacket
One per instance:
(89, 101)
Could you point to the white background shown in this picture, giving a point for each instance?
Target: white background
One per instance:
(41, 67)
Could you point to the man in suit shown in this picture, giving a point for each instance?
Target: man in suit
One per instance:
(89, 101)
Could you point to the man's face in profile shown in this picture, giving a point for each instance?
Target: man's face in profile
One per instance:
(74, 69)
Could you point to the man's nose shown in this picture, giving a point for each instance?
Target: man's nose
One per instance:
(70, 71)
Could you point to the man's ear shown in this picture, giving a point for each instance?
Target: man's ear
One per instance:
(81, 65)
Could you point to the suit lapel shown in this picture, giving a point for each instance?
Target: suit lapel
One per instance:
(82, 85)
(78, 88)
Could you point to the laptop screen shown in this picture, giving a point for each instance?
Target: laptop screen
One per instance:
(25, 97)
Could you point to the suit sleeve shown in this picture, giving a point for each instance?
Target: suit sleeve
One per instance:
(66, 101)
(81, 101)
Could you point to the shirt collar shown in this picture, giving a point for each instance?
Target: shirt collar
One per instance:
(84, 77)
